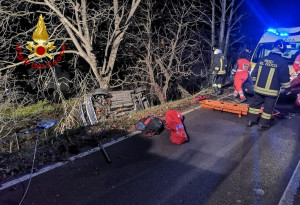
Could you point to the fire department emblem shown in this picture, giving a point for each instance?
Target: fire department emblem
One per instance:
(40, 36)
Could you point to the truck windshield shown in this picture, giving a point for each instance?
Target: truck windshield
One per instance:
(264, 49)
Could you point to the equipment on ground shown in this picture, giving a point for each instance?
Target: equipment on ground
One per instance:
(231, 107)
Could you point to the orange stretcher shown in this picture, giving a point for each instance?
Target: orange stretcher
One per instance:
(232, 107)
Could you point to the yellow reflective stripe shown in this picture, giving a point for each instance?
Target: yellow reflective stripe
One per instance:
(258, 74)
(286, 85)
(254, 110)
(221, 64)
(219, 85)
(216, 68)
(293, 70)
(222, 72)
(266, 116)
(214, 85)
(270, 78)
(265, 91)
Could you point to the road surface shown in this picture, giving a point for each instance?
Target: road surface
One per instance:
(223, 163)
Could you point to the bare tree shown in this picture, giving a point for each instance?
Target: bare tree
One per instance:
(226, 14)
(233, 19)
(166, 48)
(222, 23)
(84, 26)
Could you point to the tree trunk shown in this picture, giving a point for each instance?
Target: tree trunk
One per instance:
(222, 24)
(229, 28)
(213, 27)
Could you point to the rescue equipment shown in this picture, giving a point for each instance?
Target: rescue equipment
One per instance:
(232, 107)
(174, 123)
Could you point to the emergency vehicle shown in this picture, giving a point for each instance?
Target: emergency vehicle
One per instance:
(290, 35)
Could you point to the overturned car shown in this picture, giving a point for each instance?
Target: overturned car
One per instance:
(101, 104)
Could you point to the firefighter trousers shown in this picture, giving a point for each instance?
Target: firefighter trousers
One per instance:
(217, 84)
(268, 103)
(218, 81)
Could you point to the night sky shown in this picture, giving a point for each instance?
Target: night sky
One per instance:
(270, 13)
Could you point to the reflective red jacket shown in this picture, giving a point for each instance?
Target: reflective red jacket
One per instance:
(296, 64)
(243, 65)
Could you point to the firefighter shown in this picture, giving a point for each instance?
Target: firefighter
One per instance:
(219, 73)
(240, 73)
(295, 73)
(270, 73)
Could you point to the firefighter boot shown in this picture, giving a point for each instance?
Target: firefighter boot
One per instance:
(219, 91)
(263, 127)
(215, 90)
(250, 123)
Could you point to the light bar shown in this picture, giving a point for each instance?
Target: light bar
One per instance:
(284, 34)
(273, 30)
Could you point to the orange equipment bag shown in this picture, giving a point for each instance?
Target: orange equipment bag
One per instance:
(175, 125)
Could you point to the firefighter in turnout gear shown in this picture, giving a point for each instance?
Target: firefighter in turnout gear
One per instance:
(219, 73)
(240, 73)
(270, 73)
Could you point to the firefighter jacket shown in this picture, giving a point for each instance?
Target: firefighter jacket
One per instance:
(241, 65)
(270, 73)
(220, 64)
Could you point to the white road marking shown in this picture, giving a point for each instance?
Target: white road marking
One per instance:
(290, 190)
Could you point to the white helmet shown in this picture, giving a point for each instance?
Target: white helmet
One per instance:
(217, 51)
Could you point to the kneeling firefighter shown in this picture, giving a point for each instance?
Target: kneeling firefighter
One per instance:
(219, 73)
(295, 74)
(270, 73)
(240, 73)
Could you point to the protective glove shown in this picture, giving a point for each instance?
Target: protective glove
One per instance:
(287, 91)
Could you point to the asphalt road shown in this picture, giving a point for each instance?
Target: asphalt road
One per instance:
(223, 163)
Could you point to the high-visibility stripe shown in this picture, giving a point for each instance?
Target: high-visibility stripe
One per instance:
(254, 78)
(221, 64)
(217, 68)
(266, 116)
(219, 85)
(270, 78)
(265, 91)
(214, 85)
(258, 74)
(286, 85)
(254, 111)
(293, 70)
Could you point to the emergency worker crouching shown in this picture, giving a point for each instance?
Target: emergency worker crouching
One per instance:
(240, 73)
(270, 73)
(295, 73)
(219, 73)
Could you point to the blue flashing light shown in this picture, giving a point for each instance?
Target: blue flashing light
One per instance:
(273, 30)
(284, 34)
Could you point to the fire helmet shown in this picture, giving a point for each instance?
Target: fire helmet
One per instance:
(280, 44)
